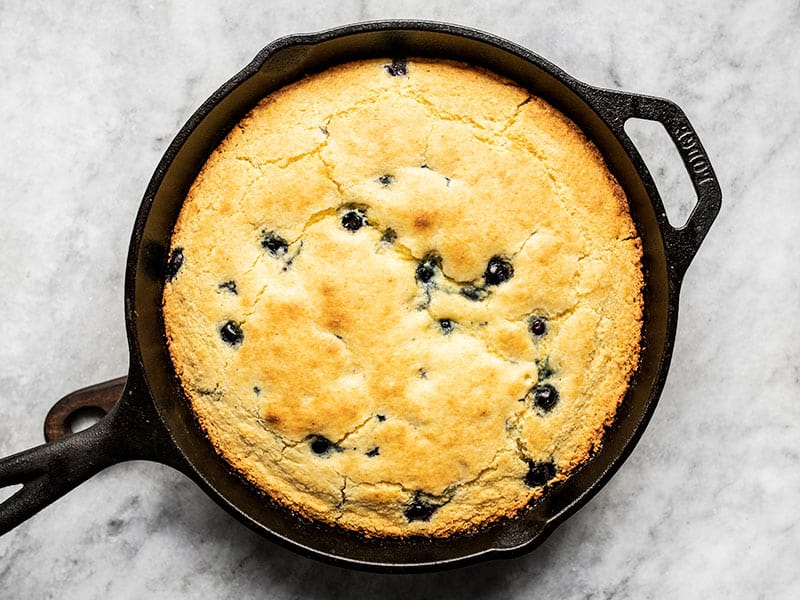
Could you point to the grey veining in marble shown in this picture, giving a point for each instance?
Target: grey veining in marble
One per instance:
(707, 505)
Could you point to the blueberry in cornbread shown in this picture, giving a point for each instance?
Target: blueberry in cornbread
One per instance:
(538, 326)
(545, 396)
(353, 220)
(274, 244)
(231, 333)
(174, 263)
(498, 270)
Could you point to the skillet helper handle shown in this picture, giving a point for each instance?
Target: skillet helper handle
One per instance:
(99, 398)
(681, 243)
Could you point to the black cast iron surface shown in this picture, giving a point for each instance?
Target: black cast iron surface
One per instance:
(152, 419)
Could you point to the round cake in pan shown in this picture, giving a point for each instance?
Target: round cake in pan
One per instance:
(404, 297)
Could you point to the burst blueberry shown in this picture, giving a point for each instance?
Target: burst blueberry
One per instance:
(473, 293)
(397, 68)
(539, 473)
(231, 333)
(544, 369)
(426, 269)
(538, 326)
(230, 286)
(447, 326)
(274, 244)
(545, 396)
(498, 271)
(420, 508)
(174, 263)
(389, 236)
(322, 446)
(353, 220)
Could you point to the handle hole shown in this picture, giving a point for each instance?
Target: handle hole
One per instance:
(666, 166)
(8, 491)
(84, 417)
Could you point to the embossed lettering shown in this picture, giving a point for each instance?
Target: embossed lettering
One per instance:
(694, 156)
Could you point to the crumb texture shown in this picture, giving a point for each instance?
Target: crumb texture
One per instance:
(404, 297)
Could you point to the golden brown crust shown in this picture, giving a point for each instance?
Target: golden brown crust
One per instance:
(346, 386)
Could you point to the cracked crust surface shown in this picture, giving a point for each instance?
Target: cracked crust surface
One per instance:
(357, 393)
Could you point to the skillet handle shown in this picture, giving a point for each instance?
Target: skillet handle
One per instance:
(681, 243)
(49, 471)
(131, 430)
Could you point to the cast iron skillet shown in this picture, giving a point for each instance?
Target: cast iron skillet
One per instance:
(149, 417)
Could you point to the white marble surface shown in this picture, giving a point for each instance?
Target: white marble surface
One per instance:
(707, 505)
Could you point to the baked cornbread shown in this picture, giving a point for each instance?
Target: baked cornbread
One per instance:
(404, 297)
